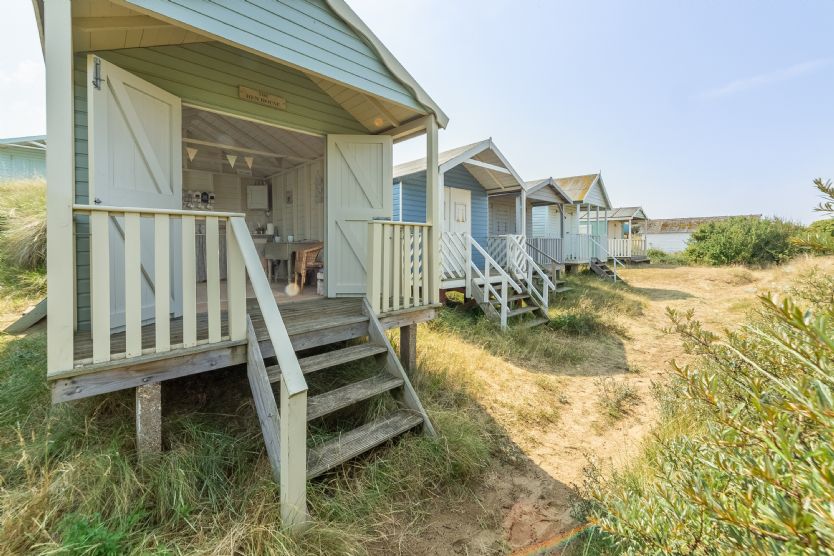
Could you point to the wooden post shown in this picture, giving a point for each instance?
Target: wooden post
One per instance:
(434, 209)
(149, 419)
(408, 348)
(60, 172)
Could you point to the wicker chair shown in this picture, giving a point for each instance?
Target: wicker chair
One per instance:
(309, 259)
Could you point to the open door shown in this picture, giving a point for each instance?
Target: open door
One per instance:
(359, 184)
(135, 160)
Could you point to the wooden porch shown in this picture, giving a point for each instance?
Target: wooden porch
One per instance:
(310, 323)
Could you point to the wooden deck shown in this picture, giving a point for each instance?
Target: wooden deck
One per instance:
(310, 323)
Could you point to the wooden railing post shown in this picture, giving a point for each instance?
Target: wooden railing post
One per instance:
(235, 286)
(468, 265)
(504, 303)
(374, 266)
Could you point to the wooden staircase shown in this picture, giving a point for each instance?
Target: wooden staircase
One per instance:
(522, 308)
(349, 350)
(601, 269)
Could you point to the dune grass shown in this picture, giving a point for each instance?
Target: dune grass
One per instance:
(23, 223)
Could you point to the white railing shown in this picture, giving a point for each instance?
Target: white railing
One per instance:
(522, 265)
(627, 247)
(545, 250)
(152, 240)
(580, 248)
(398, 270)
(454, 255)
(292, 438)
(483, 282)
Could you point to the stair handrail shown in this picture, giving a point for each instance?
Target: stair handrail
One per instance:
(489, 262)
(293, 401)
(608, 256)
(533, 269)
(553, 260)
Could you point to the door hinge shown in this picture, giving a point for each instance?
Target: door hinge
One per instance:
(97, 73)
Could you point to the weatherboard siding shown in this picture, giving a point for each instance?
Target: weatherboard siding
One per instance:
(21, 163)
(595, 196)
(304, 33)
(413, 201)
(205, 75)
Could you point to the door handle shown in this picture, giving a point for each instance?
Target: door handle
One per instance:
(97, 201)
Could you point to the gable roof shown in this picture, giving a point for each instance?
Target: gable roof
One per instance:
(323, 38)
(32, 142)
(536, 187)
(626, 213)
(686, 225)
(578, 187)
(483, 160)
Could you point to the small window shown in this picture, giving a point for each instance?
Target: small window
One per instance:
(460, 212)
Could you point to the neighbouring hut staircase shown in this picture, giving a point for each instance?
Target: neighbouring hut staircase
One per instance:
(599, 266)
(513, 291)
(347, 351)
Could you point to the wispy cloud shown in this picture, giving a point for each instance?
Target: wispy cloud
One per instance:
(764, 79)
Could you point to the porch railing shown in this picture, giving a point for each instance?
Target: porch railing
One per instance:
(398, 268)
(159, 249)
(455, 253)
(545, 250)
(627, 247)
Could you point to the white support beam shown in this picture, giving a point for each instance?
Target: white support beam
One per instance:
(60, 250)
(409, 130)
(487, 166)
(434, 207)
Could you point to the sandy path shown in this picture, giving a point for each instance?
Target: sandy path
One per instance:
(529, 501)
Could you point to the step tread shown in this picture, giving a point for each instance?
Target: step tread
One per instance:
(340, 398)
(330, 359)
(359, 440)
(533, 322)
(562, 289)
(522, 310)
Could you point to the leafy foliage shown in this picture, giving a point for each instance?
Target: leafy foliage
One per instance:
(658, 256)
(819, 237)
(751, 470)
(743, 240)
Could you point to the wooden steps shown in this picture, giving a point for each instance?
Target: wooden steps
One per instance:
(522, 310)
(360, 440)
(601, 269)
(350, 320)
(538, 321)
(340, 398)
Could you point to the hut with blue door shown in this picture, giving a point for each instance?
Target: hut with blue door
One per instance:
(486, 260)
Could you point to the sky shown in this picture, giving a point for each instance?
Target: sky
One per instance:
(688, 108)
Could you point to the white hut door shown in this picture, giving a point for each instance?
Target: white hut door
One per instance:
(458, 210)
(135, 160)
(359, 189)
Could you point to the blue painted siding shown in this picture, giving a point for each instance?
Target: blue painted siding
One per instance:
(18, 163)
(413, 197)
(397, 211)
(304, 33)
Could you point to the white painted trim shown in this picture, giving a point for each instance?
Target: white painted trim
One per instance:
(60, 172)
(355, 22)
(487, 166)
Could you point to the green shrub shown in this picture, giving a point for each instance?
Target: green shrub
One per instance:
(743, 240)
(658, 256)
(23, 223)
(747, 466)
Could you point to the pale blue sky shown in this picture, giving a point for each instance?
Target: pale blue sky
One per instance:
(692, 107)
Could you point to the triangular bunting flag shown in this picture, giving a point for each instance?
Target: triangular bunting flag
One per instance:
(232, 158)
(249, 161)
(191, 152)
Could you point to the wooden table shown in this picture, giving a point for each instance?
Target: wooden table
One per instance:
(284, 251)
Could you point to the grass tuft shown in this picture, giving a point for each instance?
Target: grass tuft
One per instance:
(23, 223)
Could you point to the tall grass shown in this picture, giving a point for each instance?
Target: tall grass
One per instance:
(23, 223)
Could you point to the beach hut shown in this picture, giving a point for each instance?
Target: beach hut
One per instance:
(208, 161)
